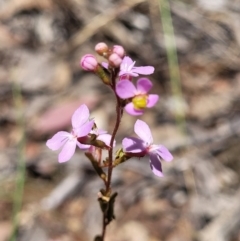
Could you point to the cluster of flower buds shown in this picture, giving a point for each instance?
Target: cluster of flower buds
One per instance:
(118, 73)
(136, 98)
(114, 55)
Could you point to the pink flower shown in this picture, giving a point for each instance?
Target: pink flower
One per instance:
(144, 146)
(127, 68)
(68, 141)
(139, 98)
(89, 62)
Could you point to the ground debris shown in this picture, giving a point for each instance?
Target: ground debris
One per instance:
(41, 44)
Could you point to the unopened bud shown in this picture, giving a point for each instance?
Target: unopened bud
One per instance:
(115, 60)
(89, 62)
(101, 49)
(119, 50)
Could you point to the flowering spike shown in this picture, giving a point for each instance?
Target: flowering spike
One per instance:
(120, 70)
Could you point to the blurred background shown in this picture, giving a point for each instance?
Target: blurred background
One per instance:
(195, 49)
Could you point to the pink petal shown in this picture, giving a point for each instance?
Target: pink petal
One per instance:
(80, 116)
(85, 129)
(100, 132)
(105, 65)
(126, 67)
(146, 70)
(83, 146)
(127, 73)
(155, 165)
(143, 131)
(125, 89)
(126, 61)
(164, 153)
(133, 144)
(144, 85)
(106, 138)
(67, 151)
(129, 108)
(152, 100)
(58, 140)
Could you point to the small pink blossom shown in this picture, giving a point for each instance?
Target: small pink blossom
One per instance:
(81, 126)
(127, 68)
(139, 98)
(144, 146)
(89, 62)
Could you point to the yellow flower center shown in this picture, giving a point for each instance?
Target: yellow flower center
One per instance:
(140, 102)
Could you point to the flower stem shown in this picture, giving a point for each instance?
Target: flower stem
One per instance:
(104, 225)
(119, 113)
(110, 153)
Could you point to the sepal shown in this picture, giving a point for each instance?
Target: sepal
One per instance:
(96, 166)
(100, 72)
(121, 157)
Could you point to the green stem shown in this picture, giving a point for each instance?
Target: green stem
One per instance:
(170, 43)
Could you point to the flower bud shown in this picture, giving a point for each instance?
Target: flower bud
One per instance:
(115, 60)
(101, 49)
(89, 62)
(119, 50)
